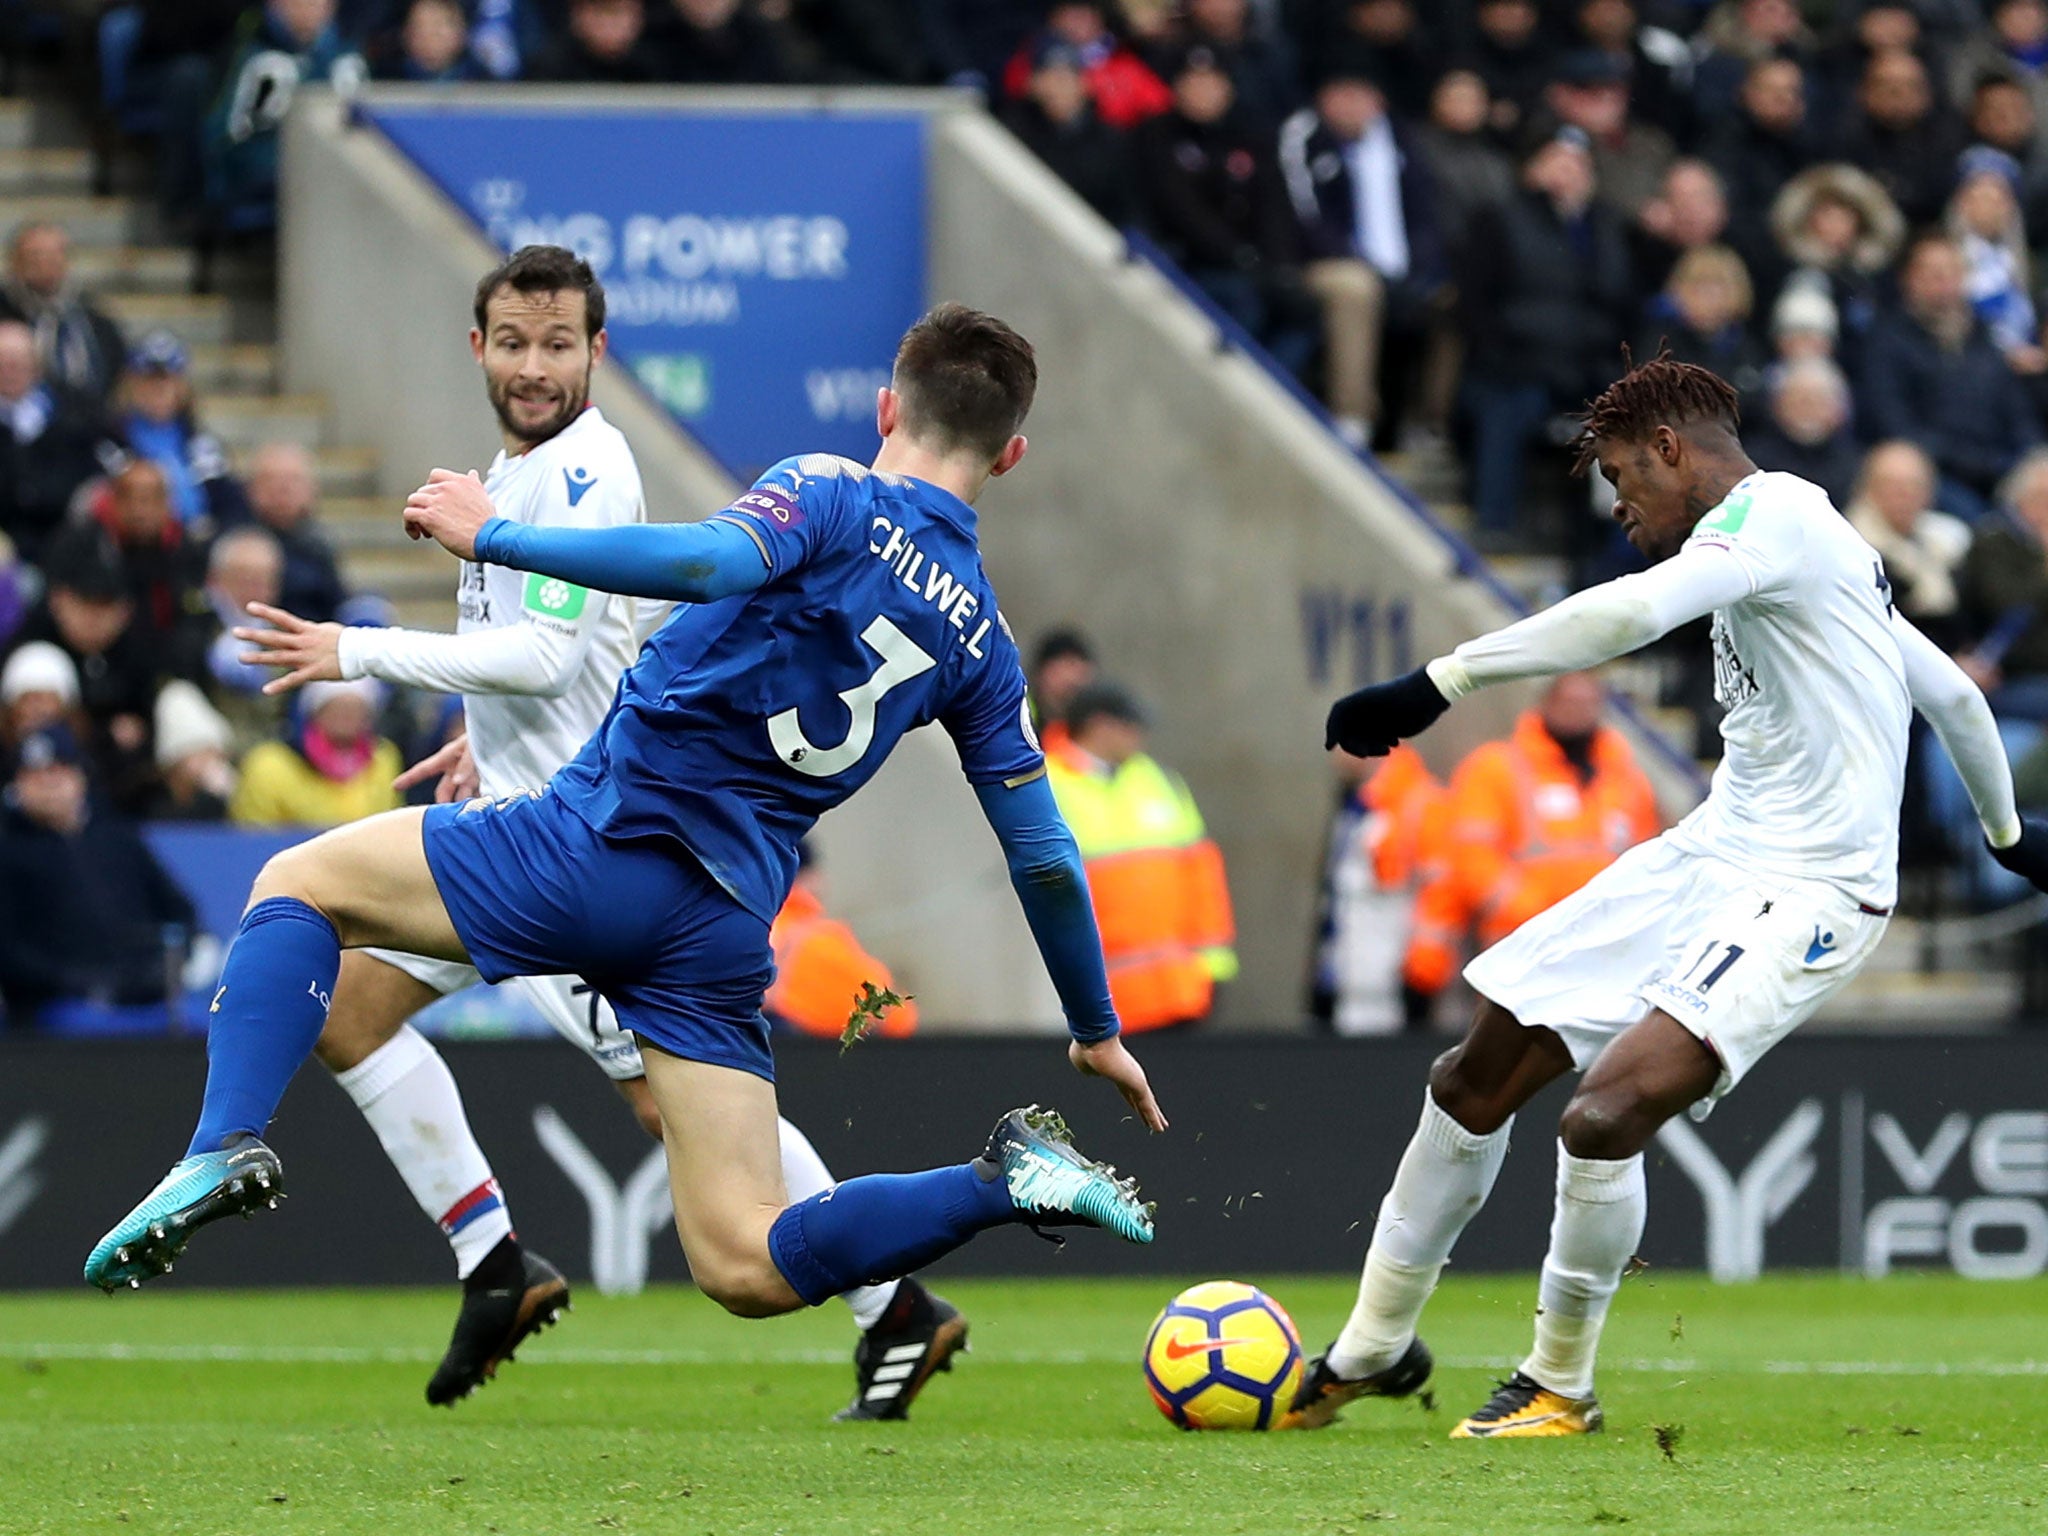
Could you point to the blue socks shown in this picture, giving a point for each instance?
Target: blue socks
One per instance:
(271, 1006)
(884, 1226)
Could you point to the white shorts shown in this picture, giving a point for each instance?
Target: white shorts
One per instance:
(1738, 958)
(566, 1002)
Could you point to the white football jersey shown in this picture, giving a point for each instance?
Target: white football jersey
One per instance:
(1809, 672)
(582, 477)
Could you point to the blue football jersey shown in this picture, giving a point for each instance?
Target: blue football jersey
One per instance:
(745, 720)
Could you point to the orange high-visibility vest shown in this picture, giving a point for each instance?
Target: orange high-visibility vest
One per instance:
(1525, 831)
(819, 966)
(1161, 901)
(1406, 817)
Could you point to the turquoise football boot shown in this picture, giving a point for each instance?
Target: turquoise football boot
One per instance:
(1050, 1180)
(239, 1179)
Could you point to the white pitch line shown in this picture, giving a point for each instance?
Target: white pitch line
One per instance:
(318, 1354)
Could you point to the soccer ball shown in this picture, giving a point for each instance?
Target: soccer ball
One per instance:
(1223, 1355)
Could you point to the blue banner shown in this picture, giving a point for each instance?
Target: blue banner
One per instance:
(759, 267)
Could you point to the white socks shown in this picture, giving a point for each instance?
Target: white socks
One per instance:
(1444, 1178)
(406, 1092)
(1599, 1221)
(408, 1095)
(804, 1174)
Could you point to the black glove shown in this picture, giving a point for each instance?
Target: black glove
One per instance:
(2028, 856)
(1370, 722)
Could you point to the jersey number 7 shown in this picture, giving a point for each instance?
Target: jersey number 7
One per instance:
(902, 659)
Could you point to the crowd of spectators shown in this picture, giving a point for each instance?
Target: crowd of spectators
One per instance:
(1446, 218)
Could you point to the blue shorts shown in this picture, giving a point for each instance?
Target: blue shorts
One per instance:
(533, 891)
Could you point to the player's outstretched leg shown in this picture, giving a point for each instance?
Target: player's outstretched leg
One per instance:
(1649, 1073)
(366, 883)
(1444, 1178)
(757, 1255)
(908, 1334)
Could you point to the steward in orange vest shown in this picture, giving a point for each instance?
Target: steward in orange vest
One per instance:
(1155, 876)
(1533, 818)
(820, 965)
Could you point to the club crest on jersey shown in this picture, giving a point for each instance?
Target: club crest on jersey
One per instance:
(579, 481)
(770, 506)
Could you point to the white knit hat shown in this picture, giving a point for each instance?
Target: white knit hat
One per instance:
(186, 723)
(39, 667)
(315, 697)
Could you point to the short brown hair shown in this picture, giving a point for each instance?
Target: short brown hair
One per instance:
(966, 379)
(1660, 393)
(544, 269)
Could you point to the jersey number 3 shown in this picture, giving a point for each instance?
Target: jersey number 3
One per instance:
(902, 659)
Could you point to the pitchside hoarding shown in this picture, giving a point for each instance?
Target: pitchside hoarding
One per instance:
(1869, 1155)
(759, 267)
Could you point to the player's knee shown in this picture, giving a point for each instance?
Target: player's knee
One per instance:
(1604, 1124)
(287, 873)
(745, 1285)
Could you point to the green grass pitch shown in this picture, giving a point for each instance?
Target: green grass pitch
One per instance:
(1795, 1405)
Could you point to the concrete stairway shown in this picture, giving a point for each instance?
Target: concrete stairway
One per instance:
(47, 174)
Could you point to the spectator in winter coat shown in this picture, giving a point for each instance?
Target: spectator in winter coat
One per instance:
(88, 614)
(1590, 92)
(51, 442)
(89, 921)
(1904, 136)
(1547, 291)
(1394, 37)
(2002, 117)
(283, 497)
(1219, 208)
(1922, 547)
(1123, 87)
(432, 46)
(81, 349)
(1807, 430)
(280, 46)
(1374, 259)
(2003, 589)
(334, 768)
(38, 687)
(155, 419)
(2013, 47)
(196, 776)
(1932, 374)
(605, 43)
(1513, 56)
(165, 562)
(1057, 121)
(1840, 231)
(1656, 60)
(1702, 316)
(1985, 220)
(1259, 59)
(1690, 210)
(1468, 168)
(1769, 139)
(719, 42)
(1738, 35)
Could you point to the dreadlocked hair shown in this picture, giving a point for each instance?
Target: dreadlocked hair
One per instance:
(1660, 393)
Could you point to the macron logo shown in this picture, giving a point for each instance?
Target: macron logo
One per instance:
(580, 481)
